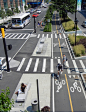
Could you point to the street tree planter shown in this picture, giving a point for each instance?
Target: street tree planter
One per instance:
(83, 76)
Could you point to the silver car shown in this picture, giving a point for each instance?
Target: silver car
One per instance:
(84, 23)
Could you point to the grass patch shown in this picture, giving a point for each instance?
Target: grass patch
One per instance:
(69, 25)
(79, 50)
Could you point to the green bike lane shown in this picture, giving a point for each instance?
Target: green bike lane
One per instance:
(68, 93)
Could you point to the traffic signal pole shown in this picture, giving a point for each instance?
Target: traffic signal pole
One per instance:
(5, 49)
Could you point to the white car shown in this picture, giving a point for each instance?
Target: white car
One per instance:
(38, 11)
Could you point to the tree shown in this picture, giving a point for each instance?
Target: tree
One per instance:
(9, 12)
(25, 7)
(65, 6)
(29, 6)
(2, 13)
(5, 102)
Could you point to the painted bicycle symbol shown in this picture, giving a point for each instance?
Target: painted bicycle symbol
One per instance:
(59, 84)
(75, 86)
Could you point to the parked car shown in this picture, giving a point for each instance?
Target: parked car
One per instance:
(33, 10)
(38, 11)
(45, 6)
(84, 23)
(8, 24)
(35, 14)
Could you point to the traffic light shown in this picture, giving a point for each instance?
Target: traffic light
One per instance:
(9, 47)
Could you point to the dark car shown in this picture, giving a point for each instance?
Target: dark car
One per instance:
(84, 23)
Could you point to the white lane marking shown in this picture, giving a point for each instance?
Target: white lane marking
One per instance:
(23, 36)
(28, 65)
(69, 76)
(47, 35)
(44, 65)
(36, 65)
(60, 36)
(55, 35)
(11, 36)
(73, 76)
(52, 44)
(75, 66)
(51, 66)
(21, 64)
(51, 35)
(38, 36)
(27, 36)
(5, 62)
(53, 102)
(68, 70)
(83, 66)
(67, 47)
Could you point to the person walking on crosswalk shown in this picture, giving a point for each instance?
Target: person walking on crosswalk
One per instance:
(64, 61)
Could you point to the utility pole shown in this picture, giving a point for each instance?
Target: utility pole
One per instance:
(5, 49)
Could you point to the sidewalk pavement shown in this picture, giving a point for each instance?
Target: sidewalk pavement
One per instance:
(44, 81)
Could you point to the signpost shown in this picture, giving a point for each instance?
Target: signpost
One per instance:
(5, 49)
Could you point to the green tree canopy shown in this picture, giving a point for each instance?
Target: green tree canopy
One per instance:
(9, 12)
(2, 13)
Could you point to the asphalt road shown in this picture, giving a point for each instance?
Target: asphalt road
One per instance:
(81, 16)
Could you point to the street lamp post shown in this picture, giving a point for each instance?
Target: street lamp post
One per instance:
(34, 25)
(76, 21)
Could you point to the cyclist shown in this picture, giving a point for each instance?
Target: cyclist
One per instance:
(60, 69)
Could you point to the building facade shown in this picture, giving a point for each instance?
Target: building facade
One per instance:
(5, 4)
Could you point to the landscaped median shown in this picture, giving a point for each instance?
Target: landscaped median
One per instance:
(68, 25)
(48, 27)
(80, 48)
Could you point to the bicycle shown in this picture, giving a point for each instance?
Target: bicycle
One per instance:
(59, 76)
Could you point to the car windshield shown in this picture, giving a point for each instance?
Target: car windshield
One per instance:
(16, 21)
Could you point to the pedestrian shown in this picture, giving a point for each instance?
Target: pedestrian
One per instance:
(22, 89)
(38, 23)
(64, 61)
(41, 24)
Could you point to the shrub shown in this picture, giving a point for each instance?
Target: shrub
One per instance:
(47, 27)
(79, 49)
(5, 102)
(82, 41)
(72, 39)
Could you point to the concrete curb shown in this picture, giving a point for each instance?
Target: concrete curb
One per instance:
(84, 83)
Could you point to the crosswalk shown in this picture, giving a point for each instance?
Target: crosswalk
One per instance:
(26, 36)
(46, 65)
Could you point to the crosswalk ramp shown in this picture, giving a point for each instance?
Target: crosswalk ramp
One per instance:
(26, 36)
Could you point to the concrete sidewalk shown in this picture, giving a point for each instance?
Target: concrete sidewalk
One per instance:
(44, 81)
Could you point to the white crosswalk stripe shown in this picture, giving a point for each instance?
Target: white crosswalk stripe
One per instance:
(75, 66)
(83, 66)
(44, 65)
(55, 35)
(21, 64)
(36, 65)
(38, 36)
(28, 65)
(68, 70)
(60, 36)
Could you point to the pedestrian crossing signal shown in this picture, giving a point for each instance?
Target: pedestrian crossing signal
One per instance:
(9, 47)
